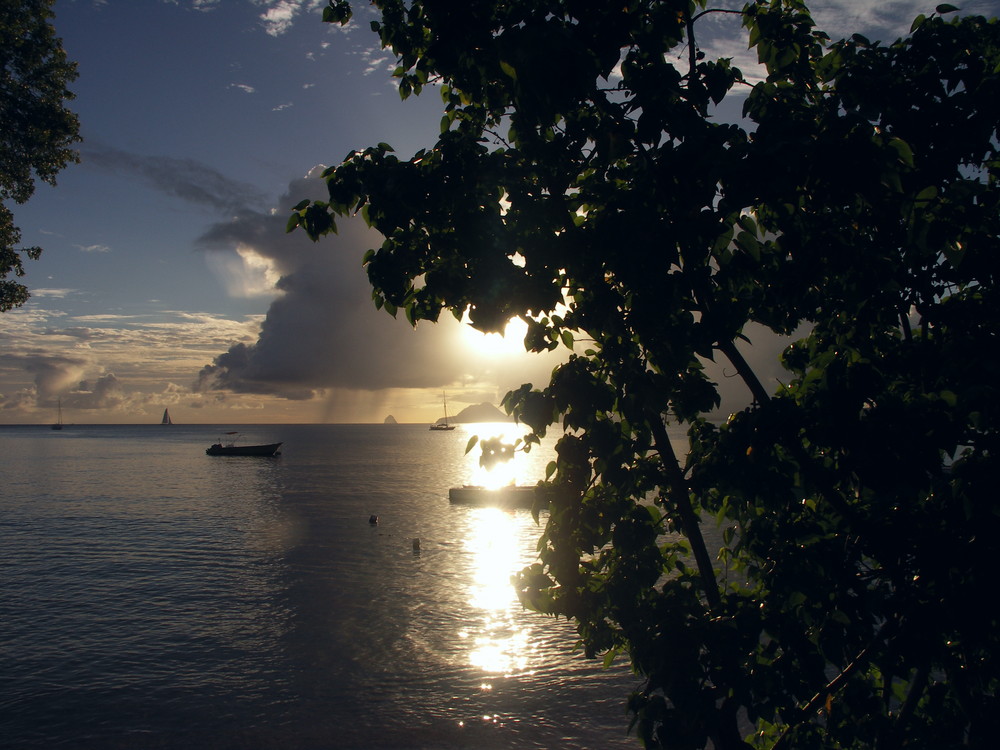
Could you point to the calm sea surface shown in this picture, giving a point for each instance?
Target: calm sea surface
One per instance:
(155, 597)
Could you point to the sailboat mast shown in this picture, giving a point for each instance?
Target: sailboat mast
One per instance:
(59, 423)
(443, 425)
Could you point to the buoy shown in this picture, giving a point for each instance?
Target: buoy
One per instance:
(416, 544)
(373, 519)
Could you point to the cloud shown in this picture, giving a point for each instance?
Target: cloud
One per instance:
(244, 87)
(187, 179)
(323, 332)
(47, 354)
(323, 338)
(278, 18)
(245, 273)
(722, 35)
(52, 293)
(280, 14)
(56, 381)
(878, 20)
(377, 60)
(53, 374)
(93, 248)
(79, 333)
(106, 393)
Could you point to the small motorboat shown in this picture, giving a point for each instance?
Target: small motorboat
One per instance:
(511, 496)
(230, 448)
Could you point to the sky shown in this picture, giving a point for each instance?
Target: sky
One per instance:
(167, 278)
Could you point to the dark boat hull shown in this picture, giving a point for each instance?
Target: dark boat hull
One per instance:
(504, 497)
(243, 450)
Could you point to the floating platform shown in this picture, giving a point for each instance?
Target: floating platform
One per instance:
(512, 496)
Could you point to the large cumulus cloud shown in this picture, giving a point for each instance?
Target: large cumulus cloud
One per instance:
(322, 330)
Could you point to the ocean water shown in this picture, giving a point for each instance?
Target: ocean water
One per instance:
(155, 597)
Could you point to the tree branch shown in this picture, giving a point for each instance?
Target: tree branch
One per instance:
(717, 10)
(692, 45)
(746, 372)
(832, 687)
(692, 48)
(917, 687)
(677, 492)
(904, 322)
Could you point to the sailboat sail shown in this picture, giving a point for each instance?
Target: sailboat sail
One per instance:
(166, 417)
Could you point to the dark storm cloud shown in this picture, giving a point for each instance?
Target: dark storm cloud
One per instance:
(186, 179)
(323, 330)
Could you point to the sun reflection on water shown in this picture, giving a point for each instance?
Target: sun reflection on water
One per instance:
(518, 470)
(499, 644)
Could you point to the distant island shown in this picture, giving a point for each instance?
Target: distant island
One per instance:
(480, 413)
(483, 412)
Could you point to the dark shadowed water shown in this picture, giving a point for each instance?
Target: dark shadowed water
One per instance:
(155, 597)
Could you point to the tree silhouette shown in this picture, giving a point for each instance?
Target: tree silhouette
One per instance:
(36, 129)
(582, 183)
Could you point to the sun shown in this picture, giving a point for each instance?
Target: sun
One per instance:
(493, 345)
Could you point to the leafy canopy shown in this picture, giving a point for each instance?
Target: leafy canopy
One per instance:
(581, 182)
(36, 130)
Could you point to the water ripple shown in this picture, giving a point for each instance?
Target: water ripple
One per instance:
(166, 599)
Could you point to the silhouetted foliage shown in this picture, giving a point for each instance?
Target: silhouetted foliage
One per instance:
(36, 129)
(581, 183)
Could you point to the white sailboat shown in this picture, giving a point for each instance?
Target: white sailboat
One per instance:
(166, 417)
(443, 425)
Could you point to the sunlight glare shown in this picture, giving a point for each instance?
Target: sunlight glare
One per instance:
(500, 647)
(504, 472)
(493, 345)
(494, 546)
